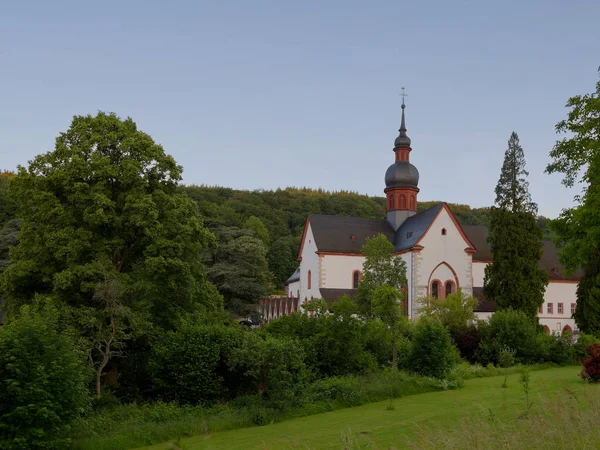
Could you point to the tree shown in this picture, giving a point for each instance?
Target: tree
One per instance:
(455, 311)
(8, 207)
(238, 268)
(387, 302)
(432, 352)
(103, 205)
(380, 268)
(514, 279)
(274, 365)
(283, 258)
(260, 231)
(577, 230)
(587, 313)
(44, 381)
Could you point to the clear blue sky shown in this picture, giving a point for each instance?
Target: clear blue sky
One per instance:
(266, 94)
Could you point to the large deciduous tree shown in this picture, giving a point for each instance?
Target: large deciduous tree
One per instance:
(577, 230)
(515, 279)
(103, 206)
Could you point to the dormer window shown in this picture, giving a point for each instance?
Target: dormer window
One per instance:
(352, 238)
(443, 232)
(408, 234)
(555, 271)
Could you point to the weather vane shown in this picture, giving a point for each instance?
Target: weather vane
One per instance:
(403, 94)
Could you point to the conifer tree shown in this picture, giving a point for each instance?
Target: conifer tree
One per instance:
(514, 279)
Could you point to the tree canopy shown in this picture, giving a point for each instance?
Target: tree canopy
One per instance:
(577, 230)
(103, 206)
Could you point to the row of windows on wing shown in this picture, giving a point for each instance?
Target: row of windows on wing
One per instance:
(400, 200)
(436, 288)
(560, 308)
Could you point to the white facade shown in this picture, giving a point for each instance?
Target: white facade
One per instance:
(443, 254)
(310, 268)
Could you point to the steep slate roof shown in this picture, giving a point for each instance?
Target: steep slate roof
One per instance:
(334, 233)
(295, 277)
(415, 227)
(549, 262)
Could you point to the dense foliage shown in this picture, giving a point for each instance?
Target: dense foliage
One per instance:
(591, 363)
(432, 353)
(514, 279)
(43, 382)
(577, 230)
(105, 234)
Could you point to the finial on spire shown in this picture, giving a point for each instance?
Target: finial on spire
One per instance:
(403, 94)
(402, 140)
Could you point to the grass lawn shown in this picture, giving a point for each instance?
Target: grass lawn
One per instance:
(374, 423)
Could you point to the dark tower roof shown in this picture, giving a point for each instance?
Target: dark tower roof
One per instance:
(402, 174)
(402, 141)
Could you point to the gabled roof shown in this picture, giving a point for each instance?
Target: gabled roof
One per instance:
(550, 261)
(343, 234)
(413, 228)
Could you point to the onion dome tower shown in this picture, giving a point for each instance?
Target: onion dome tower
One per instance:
(401, 181)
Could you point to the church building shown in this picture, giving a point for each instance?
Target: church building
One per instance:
(440, 254)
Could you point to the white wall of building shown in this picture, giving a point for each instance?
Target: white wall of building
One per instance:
(337, 270)
(293, 289)
(310, 262)
(478, 273)
(442, 252)
(558, 292)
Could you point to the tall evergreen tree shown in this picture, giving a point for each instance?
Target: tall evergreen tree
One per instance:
(577, 230)
(514, 279)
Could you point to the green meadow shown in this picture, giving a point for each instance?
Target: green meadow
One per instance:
(409, 421)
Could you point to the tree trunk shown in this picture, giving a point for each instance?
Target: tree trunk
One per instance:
(394, 352)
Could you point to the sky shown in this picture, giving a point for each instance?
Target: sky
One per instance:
(264, 94)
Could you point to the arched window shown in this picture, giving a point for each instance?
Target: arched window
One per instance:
(567, 329)
(309, 280)
(402, 201)
(412, 202)
(546, 329)
(443, 232)
(435, 287)
(392, 205)
(355, 279)
(449, 288)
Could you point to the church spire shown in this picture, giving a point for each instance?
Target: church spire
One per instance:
(402, 141)
(401, 179)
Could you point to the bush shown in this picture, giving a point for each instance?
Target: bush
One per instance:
(467, 339)
(43, 382)
(591, 363)
(334, 344)
(583, 341)
(433, 353)
(273, 366)
(514, 329)
(190, 365)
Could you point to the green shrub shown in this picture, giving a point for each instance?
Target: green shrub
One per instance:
(513, 329)
(43, 382)
(190, 365)
(583, 340)
(433, 353)
(273, 366)
(344, 391)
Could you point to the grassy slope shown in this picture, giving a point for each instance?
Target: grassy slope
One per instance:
(375, 423)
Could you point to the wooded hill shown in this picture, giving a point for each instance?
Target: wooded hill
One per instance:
(283, 212)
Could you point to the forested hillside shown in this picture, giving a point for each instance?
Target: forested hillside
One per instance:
(283, 212)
